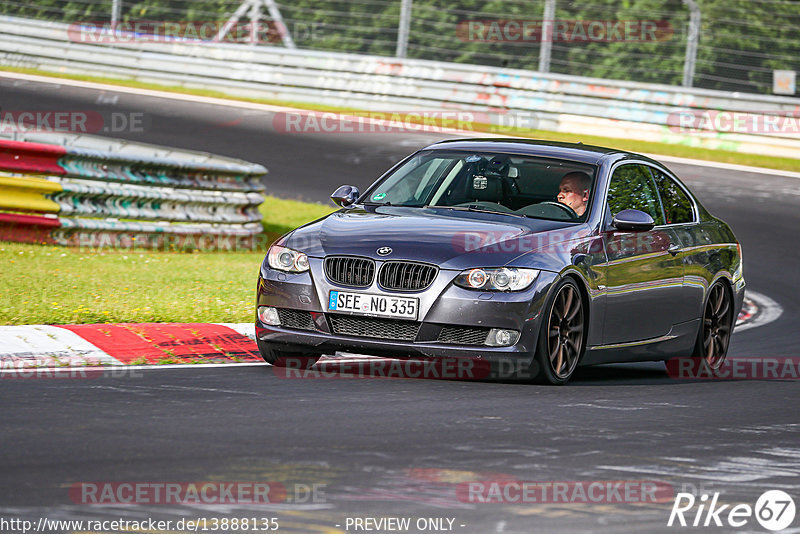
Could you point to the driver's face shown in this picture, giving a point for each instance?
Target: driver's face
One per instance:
(570, 193)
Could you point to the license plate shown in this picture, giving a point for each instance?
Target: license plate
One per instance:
(369, 304)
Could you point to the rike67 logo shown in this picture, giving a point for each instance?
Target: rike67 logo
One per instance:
(774, 510)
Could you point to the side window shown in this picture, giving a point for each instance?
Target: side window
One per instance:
(677, 205)
(632, 187)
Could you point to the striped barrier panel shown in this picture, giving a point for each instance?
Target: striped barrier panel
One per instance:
(28, 194)
(507, 97)
(88, 191)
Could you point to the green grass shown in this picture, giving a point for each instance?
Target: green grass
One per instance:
(44, 284)
(280, 215)
(684, 150)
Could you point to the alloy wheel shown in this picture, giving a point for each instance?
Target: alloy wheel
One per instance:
(717, 323)
(565, 331)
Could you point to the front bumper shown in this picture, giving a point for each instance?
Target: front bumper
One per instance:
(442, 305)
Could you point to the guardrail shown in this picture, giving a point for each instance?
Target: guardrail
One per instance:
(96, 192)
(529, 99)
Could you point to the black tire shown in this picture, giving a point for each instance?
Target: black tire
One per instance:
(716, 326)
(277, 356)
(562, 334)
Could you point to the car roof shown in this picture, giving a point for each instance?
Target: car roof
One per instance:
(535, 147)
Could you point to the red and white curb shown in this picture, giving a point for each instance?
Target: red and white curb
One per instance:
(126, 344)
(757, 310)
(169, 344)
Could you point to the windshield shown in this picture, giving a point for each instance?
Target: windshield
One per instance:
(503, 183)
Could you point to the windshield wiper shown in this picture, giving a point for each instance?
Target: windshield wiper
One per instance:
(394, 205)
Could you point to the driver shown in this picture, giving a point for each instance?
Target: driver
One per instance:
(574, 191)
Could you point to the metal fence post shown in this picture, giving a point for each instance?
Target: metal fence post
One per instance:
(254, 8)
(691, 43)
(116, 10)
(283, 30)
(403, 27)
(547, 35)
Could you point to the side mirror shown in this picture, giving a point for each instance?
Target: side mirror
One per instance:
(633, 221)
(345, 196)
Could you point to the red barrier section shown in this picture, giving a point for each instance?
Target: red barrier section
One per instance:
(27, 228)
(168, 342)
(34, 158)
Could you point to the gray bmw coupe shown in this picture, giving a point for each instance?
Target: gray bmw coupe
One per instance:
(547, 255)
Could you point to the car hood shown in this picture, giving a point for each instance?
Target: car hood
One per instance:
(450, 239)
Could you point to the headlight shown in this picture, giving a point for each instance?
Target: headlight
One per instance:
(286, 259)
(499, 279)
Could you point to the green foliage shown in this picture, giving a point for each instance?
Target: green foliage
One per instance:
(741, 42)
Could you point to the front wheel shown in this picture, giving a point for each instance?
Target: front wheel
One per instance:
(715, 330)
(561, 336)
(277, 356)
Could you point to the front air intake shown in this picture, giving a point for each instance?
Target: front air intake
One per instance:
(350, 271)
(406, 276)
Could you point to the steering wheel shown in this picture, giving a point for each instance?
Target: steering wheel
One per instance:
(569, 211)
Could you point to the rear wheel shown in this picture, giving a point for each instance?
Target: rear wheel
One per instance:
(275, 355)
(560, 345)
(715, 330)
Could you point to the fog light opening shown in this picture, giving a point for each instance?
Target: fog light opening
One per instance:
(269, 315)
(500, 337)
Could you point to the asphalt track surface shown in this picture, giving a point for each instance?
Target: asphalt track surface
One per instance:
(380, 448)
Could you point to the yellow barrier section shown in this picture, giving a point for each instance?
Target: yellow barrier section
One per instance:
(27, 194)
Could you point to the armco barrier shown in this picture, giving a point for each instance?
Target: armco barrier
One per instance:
(508, 97)
(91, 191)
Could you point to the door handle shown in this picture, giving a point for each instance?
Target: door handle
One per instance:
(674, 249)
